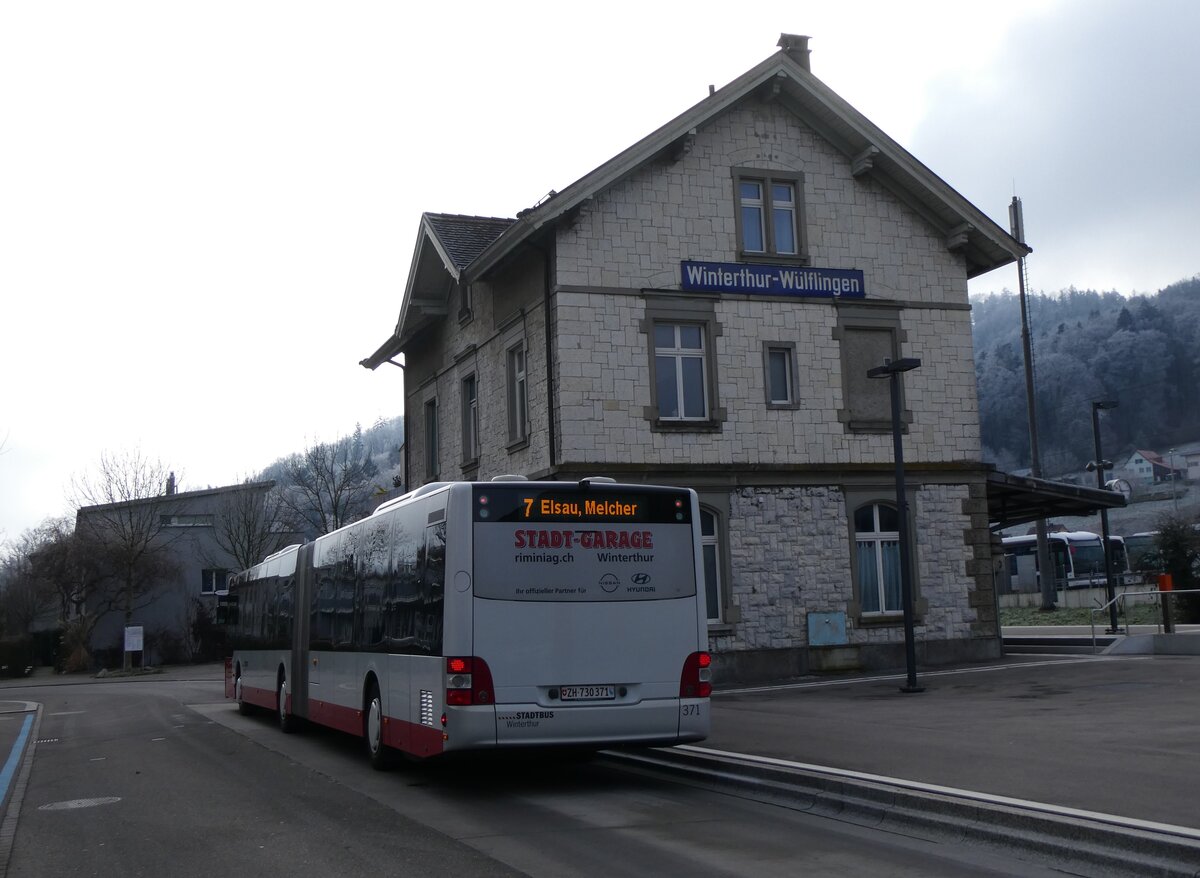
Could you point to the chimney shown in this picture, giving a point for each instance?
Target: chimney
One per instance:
(796, 47)
(171, 485)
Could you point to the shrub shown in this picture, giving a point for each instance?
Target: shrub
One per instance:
(74, 653)
(1179, 548)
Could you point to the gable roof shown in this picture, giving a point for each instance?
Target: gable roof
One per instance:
(462, 238)
(446, 244)
(783, 77)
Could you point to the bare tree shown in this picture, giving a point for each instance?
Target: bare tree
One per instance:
(26, 594)
(331, 483)
(122, 533)
(250, 524)
(56, 565)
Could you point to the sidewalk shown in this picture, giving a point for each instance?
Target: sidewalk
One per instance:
(42, 676)
(1114, 734)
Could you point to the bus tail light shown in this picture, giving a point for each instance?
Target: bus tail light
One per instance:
(696, 680)
(468, 681)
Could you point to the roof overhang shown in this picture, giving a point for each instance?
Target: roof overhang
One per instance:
(1016, 500)
(385, 353)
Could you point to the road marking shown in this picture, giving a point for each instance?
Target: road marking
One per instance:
(67, 713)
(73, 804)
(14, 756)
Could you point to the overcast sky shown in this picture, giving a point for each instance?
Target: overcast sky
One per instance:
(208, 210)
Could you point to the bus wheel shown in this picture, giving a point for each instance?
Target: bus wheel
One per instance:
(287, 722)
(380, 754)
(243, 708)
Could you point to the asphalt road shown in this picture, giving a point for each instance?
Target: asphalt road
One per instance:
(128, 781)
(164, 777)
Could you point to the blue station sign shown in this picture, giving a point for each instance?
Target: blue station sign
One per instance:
(772, 280)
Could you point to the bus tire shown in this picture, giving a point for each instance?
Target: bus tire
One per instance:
(244, 708)
(381, 756)
(287, 721)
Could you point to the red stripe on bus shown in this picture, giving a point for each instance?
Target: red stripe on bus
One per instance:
(344, 719)
(258, 697)
(412, 738)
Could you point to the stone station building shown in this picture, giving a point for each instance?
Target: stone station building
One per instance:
(702, 310)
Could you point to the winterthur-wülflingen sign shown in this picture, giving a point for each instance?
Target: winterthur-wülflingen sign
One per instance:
(772, 280)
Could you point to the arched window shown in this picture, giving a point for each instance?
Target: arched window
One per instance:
(877, 539)
(710, 545)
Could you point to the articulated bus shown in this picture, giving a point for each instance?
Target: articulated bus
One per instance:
(486, 615)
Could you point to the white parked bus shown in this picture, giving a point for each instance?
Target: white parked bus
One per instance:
(479, 615)
(1078, 559)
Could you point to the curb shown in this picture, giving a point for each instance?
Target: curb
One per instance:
(1106, 843)
(12, 810)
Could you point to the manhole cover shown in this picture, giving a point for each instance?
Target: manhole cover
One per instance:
(72, 804)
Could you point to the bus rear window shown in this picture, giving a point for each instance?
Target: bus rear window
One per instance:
(573, 544)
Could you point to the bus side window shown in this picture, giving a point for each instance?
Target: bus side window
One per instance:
(227, 610)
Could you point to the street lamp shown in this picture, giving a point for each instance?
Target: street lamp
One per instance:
(1100, 465)
(1174, 494)
(892, 369)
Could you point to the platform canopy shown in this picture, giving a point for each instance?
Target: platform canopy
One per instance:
(1016, 500)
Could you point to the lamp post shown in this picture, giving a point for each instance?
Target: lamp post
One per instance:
(1174, 494)
(1100, 465)
(892, 369)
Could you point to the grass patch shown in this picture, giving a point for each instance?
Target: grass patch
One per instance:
(1141, 614)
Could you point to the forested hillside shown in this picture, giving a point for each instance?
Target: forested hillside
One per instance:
(1143, 351)
(330, 484)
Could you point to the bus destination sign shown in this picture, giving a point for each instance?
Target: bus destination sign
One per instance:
(510, 504)
(548, 509)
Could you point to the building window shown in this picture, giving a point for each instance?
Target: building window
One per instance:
(710, 546)
(680, 334)
(186, 520)
(470, 421)
(779, 375)
(213, 580)
(769, 214)
(431, 439)
(679, 372)
(877, 541)
(868, 337)
(518, 395)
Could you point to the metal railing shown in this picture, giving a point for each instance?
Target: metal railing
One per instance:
(1156, 593)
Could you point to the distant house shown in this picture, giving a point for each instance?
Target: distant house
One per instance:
(1146, 468)
(1187, 456)
(185, 534)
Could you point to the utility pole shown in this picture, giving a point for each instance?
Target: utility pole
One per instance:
(1046, 572)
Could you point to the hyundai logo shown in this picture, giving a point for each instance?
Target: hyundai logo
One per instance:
(640, 578)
